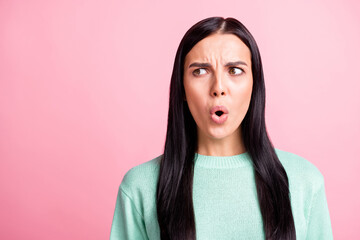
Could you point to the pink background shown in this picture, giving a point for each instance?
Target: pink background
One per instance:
(84, 97)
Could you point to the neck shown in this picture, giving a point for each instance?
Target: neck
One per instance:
(230, 145)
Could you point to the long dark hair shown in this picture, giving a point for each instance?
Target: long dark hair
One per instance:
(174, 201)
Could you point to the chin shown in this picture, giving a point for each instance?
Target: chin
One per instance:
(218, 134)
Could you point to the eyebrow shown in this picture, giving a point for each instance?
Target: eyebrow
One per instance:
(196, 64)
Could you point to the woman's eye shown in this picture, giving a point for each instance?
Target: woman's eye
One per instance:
(236, 71)
(199, 71)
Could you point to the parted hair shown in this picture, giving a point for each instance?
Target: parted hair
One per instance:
(174, 200)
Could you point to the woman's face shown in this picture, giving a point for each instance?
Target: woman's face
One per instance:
(217, 71)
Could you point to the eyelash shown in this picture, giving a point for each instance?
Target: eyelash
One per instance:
(230, 68)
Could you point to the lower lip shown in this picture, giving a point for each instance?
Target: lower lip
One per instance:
(219, 120)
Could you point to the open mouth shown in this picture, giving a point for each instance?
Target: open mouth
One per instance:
(219, 113)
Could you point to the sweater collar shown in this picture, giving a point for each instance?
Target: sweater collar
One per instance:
(234, 161)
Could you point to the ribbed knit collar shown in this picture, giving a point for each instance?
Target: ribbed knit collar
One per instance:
(234, 161)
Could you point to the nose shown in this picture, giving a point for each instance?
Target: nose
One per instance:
(218, 88)
(215, 93)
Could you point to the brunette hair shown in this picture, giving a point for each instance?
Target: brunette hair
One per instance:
(174, 201)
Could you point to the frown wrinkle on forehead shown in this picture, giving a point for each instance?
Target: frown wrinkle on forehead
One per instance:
(219, 49)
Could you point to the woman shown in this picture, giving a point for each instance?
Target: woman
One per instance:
(220, 176)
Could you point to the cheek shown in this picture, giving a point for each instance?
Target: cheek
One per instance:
(244, 93)
(193, 92)
(195, 100)
(248, 91)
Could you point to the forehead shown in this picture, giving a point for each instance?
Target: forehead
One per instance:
(223, 47)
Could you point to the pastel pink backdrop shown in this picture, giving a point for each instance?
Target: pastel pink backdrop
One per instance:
(84, 89)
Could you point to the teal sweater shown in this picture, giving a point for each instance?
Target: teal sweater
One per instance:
(225, 200)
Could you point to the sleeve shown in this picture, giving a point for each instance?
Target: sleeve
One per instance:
(319, 224)
(127, 222)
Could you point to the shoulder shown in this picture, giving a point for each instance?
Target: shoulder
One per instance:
(300, 171)
(141, 177)
(138, 187)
